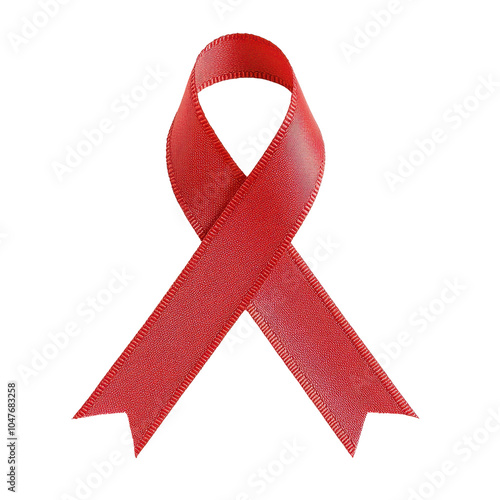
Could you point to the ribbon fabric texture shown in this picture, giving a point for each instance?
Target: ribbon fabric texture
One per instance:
(245, 261)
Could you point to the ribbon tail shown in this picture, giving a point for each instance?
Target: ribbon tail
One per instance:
(146, 392)
(139, 421)
(320, 348)
(153, 372)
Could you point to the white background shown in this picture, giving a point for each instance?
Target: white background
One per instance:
(394, 252)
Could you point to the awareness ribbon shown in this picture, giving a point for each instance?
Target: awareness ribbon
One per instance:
(245, 262)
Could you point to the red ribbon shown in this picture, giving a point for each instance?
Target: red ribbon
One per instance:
(245, 262)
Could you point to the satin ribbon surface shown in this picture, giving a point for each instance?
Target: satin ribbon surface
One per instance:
(245, 261)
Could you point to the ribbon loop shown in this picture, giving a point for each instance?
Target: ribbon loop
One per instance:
(245, 262)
